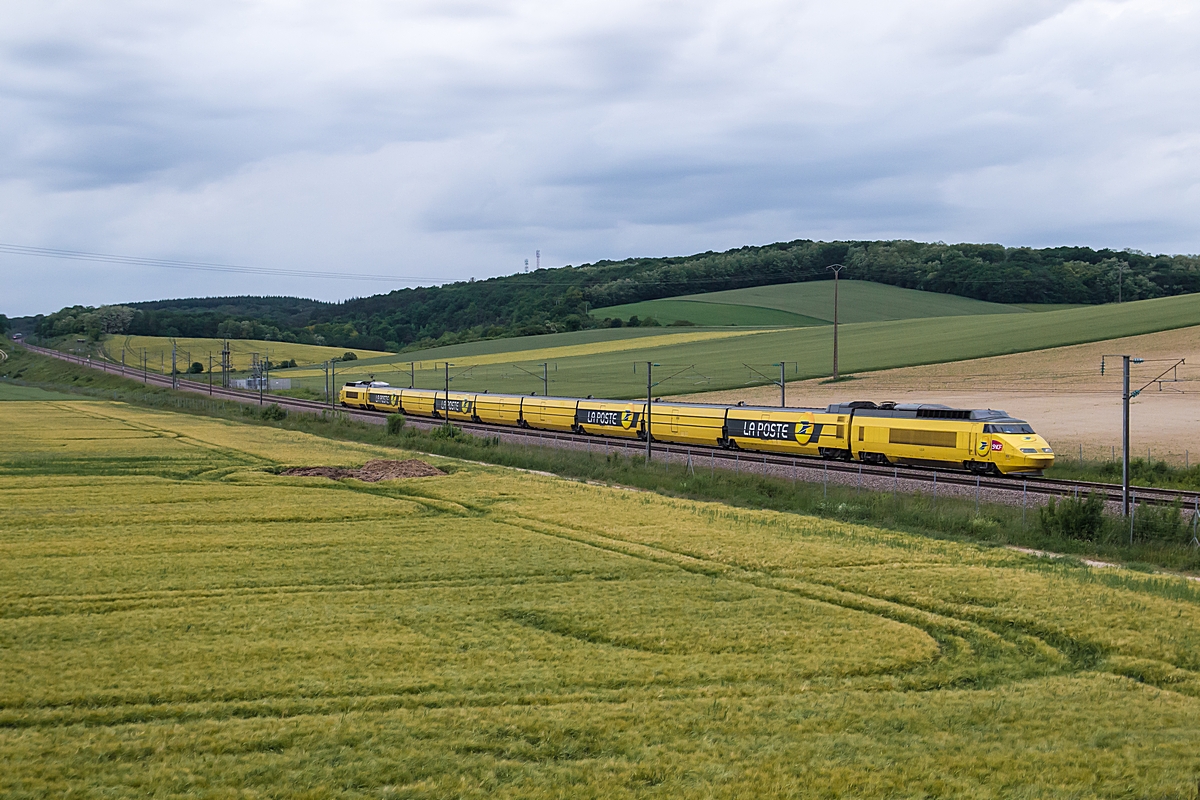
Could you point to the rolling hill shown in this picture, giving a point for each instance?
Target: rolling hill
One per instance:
(750, 357)
(804, 304)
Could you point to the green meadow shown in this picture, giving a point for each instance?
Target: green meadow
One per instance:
(181, 620)
(808, 303)
(716, 358)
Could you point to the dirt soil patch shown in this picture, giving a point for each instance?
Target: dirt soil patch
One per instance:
(372, 471)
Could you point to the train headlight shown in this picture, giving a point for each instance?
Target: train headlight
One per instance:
(1028, 449)
(1047, 450)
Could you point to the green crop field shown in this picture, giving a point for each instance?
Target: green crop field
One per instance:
(703, 312)
(180, 620)
(12, 391)
(710, 362)
(158, 352)
(808, 303)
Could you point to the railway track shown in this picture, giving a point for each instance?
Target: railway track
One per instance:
(806, 469)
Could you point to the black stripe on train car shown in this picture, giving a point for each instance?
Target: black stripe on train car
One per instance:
(627, 419)
(767, 431)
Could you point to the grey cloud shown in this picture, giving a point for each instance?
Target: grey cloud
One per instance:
(453, 140)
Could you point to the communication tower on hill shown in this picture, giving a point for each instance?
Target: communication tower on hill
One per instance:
(538, 254)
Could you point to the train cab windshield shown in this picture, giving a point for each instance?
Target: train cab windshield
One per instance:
(1013, 428)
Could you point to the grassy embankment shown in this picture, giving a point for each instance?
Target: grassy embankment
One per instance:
(1156, 544)
(181, 620)
(803, 304)
(711, 363)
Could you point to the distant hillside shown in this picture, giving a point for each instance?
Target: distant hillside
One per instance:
(559, 299)
(802, 304)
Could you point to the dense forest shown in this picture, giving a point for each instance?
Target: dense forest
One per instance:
(558, 299)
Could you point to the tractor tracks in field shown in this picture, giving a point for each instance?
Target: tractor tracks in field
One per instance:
(979, 648)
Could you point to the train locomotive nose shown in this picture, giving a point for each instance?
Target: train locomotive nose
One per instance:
(1029, 453)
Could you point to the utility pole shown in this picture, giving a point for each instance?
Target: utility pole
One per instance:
(782, 385)
(174, 367)
(1126, 396)
(1125, 436)
(649, 400)
(446, 410)
(256, 374)
(836, 268)
(545, 376)
(145, 368)
(412, 375)
(210, 373)
(333, 390)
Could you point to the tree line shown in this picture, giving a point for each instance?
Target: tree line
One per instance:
(559, 299)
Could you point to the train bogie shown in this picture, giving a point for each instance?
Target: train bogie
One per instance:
(549, 413)
(685, 423)
(623, 420)
(498, 409)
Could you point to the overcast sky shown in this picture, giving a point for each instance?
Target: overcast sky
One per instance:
(436, 141)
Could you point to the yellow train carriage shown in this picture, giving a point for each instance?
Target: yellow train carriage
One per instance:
(372, 395)
(793, 431)
(383, 399)
(353, 396)
(418, 402)
(458, 406)
(912, 441)
(688, 423)
(549, 413)
(499, 409)
(980, 440)
(619, 419)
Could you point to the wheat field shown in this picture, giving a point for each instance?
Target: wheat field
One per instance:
(179, 620)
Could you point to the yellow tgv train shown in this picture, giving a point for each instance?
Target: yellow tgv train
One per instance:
(979, 440)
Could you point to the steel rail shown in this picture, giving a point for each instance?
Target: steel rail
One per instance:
(728, 458)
